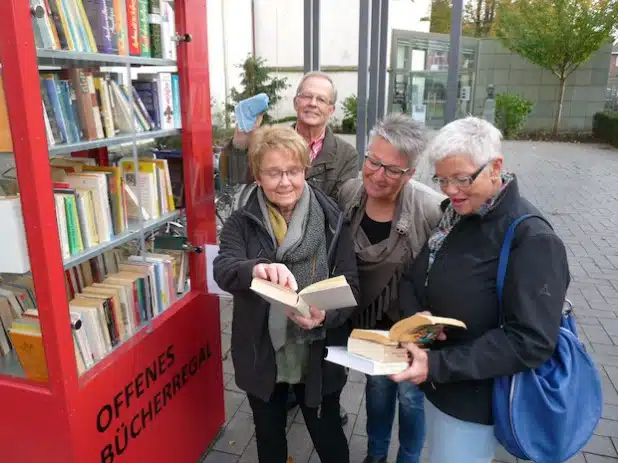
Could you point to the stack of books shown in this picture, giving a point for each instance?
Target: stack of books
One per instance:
(379, 352)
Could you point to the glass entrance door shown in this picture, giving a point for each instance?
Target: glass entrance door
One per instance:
(423, 94)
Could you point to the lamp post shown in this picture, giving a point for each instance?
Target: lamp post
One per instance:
(450, 111)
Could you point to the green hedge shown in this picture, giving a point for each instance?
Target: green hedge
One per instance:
(605, 127)
(512, 110)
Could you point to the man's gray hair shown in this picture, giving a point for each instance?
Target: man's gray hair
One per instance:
(404, 133)
(470, 136)
(321, 75)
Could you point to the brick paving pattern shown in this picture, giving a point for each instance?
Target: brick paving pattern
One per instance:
(575, 186)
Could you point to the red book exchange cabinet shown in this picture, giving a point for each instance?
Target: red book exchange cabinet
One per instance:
(109, 343)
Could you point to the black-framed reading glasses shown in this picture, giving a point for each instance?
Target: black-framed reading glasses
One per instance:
(460, 180)
(390, 171)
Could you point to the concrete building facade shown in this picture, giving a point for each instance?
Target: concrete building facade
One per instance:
(418, 81)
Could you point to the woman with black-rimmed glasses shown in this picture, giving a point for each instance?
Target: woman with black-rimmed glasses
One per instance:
(455, 276)
(390, 217)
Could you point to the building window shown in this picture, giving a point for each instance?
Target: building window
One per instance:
(403, 55)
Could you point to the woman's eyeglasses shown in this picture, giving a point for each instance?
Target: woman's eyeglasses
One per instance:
(393, 172)
(277, 174)
(460, 180)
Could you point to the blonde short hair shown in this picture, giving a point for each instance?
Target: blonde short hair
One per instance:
(277, 138)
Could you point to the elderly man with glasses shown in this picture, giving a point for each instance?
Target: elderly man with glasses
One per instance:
(391, 217)
(333, 160)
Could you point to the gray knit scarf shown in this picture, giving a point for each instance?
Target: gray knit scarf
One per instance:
(380, 265)
(303, 251)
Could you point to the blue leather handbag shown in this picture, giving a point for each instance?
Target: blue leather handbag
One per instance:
(547, 414)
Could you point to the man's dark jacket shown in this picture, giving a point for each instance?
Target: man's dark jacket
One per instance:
(245, 242)
(332, 167)
(462, 284)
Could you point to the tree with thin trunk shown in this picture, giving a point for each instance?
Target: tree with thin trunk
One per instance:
(479, 18)
(557, 35)
(441, 12)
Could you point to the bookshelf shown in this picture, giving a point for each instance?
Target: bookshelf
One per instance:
(109, 342)
(81, 59)
(111, 141)
(132, 233)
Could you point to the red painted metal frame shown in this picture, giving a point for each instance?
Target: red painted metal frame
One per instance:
(198, 159)
(60, 416)
(21, 82)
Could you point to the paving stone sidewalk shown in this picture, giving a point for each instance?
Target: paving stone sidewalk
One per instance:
(576, 186)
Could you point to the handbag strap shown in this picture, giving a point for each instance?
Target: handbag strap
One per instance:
(505, 251)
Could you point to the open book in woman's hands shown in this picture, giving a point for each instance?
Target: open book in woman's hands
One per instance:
(377, 352)
(385, 346)
(419, 329)
(334, 293)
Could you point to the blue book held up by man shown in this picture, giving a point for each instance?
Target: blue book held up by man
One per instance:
(248, 110)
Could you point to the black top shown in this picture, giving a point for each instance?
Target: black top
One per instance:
(462, 284)
(376, 232)
(245, 242)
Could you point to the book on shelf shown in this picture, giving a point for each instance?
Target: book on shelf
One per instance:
(162, 94)
(27, 341)
(142, 28)
(13, 244)
(168, 29)
(333, 293)
(6, 142)
(155, 187)
(154, 25)
(19, 328)
(379, 352)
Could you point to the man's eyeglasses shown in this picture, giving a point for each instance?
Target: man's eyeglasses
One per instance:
(277, 174)
(461, 180)
(308, 97)
(393, 172)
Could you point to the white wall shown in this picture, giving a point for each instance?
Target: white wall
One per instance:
(279, 31)
(339, 33)
(235, 46)
(279, 39)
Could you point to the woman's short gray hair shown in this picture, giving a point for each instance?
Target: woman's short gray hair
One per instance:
(470, 136)
(404, 133)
